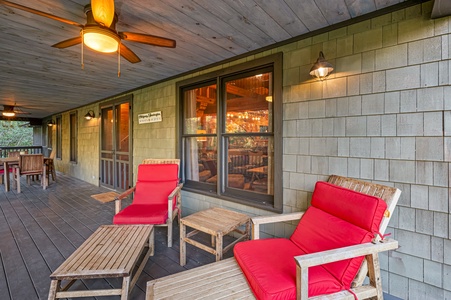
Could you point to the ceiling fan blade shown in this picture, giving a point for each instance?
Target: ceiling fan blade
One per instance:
(147, 39)
(129, 55)
(68, 43)
(103, 11)
(39, 13)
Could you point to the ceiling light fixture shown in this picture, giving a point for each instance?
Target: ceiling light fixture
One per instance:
(8, 111)
(50, 123)
(322, 68)
(101, 39)
(90, 115)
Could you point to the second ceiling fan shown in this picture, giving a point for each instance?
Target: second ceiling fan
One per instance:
(99, 33)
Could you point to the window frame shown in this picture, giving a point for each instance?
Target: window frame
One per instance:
(73, 137)
(219, 78)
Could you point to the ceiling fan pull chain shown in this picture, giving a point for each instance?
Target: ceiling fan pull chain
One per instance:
(82, 53)
(119, 60)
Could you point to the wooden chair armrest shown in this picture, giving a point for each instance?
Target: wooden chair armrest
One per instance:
(256, 221)
(125, 194)
(171, 196)
(369, 250)
(117, 200)
(175, 191)
(325, 257)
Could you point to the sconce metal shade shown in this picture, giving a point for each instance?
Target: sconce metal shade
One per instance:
(50, 123)
(322, 67)
(89, 115)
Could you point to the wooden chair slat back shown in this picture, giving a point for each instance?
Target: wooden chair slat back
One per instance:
(52, 154)
(161, 161)
(31, 163)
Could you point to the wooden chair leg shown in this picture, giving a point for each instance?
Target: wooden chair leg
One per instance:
(170, 234)
(374, 273)
(17, 179)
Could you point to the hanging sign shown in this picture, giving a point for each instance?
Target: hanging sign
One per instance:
(151, 117)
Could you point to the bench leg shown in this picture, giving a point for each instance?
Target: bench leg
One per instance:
(125, 288)
(182, 244)
(54, 287)
(218, 246)
(152, 242)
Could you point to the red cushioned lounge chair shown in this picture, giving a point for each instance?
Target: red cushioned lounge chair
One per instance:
(333, 249)
(156, 198)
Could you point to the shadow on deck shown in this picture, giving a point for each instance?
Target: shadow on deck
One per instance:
(40, 229)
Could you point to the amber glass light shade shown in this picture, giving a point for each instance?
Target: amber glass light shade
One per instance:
(103, 11)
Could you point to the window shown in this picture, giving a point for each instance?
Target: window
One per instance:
(59, 141)
(73, 136)
(228, 141)
(49, 137)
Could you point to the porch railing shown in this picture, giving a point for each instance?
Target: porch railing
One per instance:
(4, 151)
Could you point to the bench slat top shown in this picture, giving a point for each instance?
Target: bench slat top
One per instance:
(111, 251)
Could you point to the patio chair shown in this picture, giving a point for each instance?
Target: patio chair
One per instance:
(30, 165)
(320, 260)
(156, 197)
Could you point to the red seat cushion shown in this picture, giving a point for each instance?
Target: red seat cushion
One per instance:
(271, 271)
(142, 214)
(337, 218)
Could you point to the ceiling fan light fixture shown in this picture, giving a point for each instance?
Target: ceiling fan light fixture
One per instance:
(101, 39)
(8, 113)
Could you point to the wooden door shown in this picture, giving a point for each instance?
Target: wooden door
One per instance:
(115, 158)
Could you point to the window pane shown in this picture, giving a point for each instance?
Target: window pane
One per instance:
(201, 159)
(249, 104)
(122, 127)
(200, 110)
(251, 163)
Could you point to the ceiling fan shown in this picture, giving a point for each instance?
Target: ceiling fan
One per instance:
(12, 110)
(99, 33)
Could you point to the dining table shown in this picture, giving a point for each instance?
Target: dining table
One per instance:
(7, 162)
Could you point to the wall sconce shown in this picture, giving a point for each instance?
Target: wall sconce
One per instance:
(50, 123)
(321, 68)
(90, 115)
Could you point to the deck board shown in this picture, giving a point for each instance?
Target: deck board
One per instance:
(40, 229)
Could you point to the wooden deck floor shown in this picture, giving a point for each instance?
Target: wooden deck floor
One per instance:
(40, 229)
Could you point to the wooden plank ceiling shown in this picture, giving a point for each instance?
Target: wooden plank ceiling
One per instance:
(43, 80)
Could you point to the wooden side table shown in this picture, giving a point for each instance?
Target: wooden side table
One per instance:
(217, 222)
(111, 251)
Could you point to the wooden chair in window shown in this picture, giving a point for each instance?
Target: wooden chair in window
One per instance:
(30, 165)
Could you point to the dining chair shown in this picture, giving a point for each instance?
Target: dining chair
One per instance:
(49, 162)
(30, 165)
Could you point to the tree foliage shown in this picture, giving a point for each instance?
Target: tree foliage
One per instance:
(15, 133)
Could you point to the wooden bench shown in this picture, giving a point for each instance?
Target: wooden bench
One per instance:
(111, 251)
